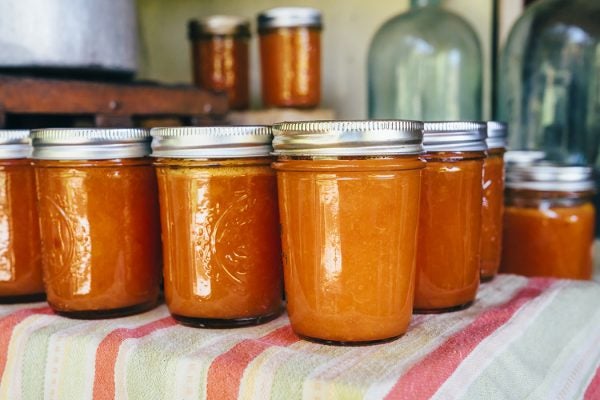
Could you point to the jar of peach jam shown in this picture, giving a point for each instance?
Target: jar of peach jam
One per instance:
(549, 221)
(290, 56)
(493, 200)
(221, 244)
(450, 219)
(99, 221)
(220, 56)
(349, 204)
(20, 252)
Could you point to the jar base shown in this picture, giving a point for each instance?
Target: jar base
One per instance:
(104, 314)
(349, 343)
(24, 298)
(443, 310)
(224, 323)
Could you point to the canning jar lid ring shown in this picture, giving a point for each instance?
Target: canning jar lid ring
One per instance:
(14, 144)
(290, 17)
(460, 136)
(236, 141)
(348, 138)
(218, 25)
(497, 135)
(513, 157)
(547, 176)
(90, 143)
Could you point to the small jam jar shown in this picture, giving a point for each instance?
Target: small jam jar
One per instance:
(20, 248)
(220, 56)
(349, 204)
(99, 220)
(493, 200)
(221, 241)
(549, 221)
(450, 218)
(290, 56)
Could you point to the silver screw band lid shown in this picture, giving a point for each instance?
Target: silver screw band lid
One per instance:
(454, 136)
(523, 156)
(550, 177)
(90, 143)
(14, 144)
(348, 138)
(212, 142)
(290, 17)
(222, 25)
(497, 135)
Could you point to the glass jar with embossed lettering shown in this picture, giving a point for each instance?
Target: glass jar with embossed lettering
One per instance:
(221, 245)
(99, 220)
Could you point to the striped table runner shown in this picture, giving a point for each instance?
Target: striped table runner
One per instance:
(523, 338)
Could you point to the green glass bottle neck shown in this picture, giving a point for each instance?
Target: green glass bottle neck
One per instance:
(424, 3)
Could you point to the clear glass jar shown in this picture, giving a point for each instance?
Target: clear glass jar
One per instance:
(493, 200)
(417, 70)
(349, 204)
(450, 219)
(221, 58)
(549, 221)
(20, 248)
(221, 241)
(290, 56)
(99, 221)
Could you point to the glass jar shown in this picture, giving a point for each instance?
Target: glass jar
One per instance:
(549, 221)
(450, 219)
(220, 57)
(218, 197)
(99, 221)
(20, 248)
(290, 56)
(349, 203)
(425, 64)
(493, 200)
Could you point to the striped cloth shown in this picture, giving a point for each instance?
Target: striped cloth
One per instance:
(523, 338)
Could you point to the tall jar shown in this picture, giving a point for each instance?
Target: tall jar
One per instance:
(221, 58)
(493, 200)
(290, 56)
(549, 221)
(20, 248)
(450, 220)
(99, 221)
(221, 241)
(349, 204)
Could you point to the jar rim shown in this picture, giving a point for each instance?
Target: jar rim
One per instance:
(14, 144)
(497, 134)
(454, 136)
(218, 25)
(289, 17)
(550, 177)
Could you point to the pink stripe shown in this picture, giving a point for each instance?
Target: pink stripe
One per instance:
(426, 377)
(593, 390)
(226, 371)
(8, 324)
(108, 350)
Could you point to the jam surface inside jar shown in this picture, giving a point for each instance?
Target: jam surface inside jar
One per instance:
(349, 244)
(449, 231)
(492, 213)
(100, 235)
(20, 248)
(222, 250)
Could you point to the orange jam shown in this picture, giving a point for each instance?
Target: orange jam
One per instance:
(491, 215)
(20, 251)
(349, 226)
(99, 223)
(221, 241)
(221, 58)
(290, 57)
(549, 232)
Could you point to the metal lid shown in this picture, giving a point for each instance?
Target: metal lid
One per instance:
(454, 136)
(212, 142)
(523, 156)
(550, 177)
(14, 144)
(289, 17)
(348, 138)
(218, 25)
(497, 135)
(90, 143)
